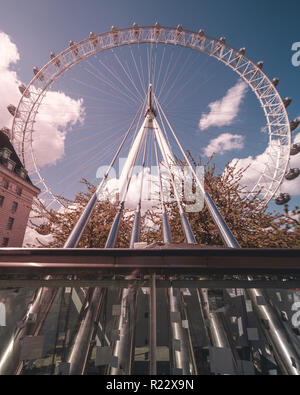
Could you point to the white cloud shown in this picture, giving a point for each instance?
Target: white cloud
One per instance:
(254, 165)
(224, 142)
(8, 50)
(150, 197)
(9, 81)
(257, 166)
(224, 111)
(56, 117)
(150, 194)
(57, 114)
(32, 236)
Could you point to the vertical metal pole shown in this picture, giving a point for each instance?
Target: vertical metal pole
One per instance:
(79, 352)
(81, 344)
(216, 330)
(182, 349)
(135, 228)
(190, 342)
(125, 180)
(284, 353)
(10, 363)
(113, 233)
(10, 359)
(124, 345)
(180, 346)
(121, 351)
(153, 341)
(170, 160)
(135, 234)
(165, 222)
(78, 229)
(224, 231)
(166, 228)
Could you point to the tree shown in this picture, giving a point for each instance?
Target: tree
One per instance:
(60, 223)
(252, 226)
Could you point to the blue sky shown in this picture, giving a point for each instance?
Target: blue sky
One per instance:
(266, 28)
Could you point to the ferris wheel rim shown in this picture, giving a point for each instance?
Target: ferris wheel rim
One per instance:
(258, 81)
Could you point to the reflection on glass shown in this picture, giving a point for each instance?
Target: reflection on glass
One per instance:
(107, 330)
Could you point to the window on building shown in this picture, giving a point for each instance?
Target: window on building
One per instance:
(5, 241)
(5, 184)
(14, 207)
(23, 173)
(11, 164)
(1, 200)
(5, 152)
(19, 191)
(10, 223)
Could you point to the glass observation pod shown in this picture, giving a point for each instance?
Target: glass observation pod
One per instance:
(282, 198)
(160, 310)
(295, 149)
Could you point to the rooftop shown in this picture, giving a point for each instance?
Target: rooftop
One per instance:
(10, 159)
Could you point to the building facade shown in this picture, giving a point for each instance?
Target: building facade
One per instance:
(16, 195)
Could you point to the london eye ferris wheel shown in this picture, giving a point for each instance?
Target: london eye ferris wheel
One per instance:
(107, 77)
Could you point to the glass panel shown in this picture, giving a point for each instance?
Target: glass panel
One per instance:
(107, 330)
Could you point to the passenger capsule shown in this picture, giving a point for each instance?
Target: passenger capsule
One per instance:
(239, 56)
(157, 29)
(114, 31)
(136, 30)
(22, 89)
(294, 124)
(219, 45)
(292, 174)
(260, 65)
(40, 76)
(13, 111)
(93, 39)
(275, 81)
(295, 149)
(57, 61)
(200, 35)
(74, 48)
(287, 101)
(283, 198)
(179, 31)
